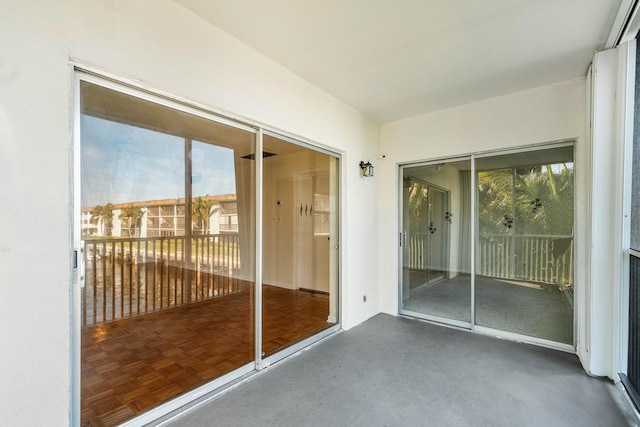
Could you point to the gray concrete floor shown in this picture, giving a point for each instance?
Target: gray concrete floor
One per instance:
(535, 310)
(395, 371)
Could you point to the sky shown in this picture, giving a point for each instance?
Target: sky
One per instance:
(122, 164)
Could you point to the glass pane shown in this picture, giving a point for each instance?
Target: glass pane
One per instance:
(437, 240)
(300, 281)
(635, 181)
(524, 281)
(168, 301)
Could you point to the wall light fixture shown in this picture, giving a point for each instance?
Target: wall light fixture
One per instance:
(366, 168)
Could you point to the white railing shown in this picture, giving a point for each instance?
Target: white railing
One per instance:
(417, 245)
(535, 258)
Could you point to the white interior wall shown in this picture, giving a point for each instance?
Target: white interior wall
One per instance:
(545, 114)
(279, 219)
(163, 46)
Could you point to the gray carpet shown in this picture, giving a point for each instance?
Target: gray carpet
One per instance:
(536, 310)
(394, 371)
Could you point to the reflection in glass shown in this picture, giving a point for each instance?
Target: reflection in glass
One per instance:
(300, 290)
(436, 240)
(168, 225)
(524, 281)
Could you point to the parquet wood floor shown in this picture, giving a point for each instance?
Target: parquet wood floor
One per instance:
(130, 366)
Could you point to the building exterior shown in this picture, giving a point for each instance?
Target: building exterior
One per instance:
(162, 218)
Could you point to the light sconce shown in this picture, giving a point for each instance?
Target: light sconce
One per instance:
(366, 168)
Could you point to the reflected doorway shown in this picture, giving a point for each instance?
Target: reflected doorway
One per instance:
(428, 234)
(436, 281)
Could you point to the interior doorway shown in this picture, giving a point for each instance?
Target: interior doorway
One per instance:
(434, 282)
(312, 236)
(428, 233)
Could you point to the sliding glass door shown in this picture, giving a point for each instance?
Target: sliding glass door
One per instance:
(299, 284)
(521, 235)
(168, 228)
(170, 298)
(524, 276)
(435, 247)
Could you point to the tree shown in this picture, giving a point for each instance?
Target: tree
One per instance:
(201, 210)
(134, 215)
(103, 216)
(495, 200)
(418, 204)
(537, 200)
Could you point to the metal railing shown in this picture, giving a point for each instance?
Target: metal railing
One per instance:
(127, 277)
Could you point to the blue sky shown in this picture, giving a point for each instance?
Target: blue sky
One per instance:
(122, 163)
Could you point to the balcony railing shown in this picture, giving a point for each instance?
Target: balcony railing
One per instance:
(535, 258)
(127, 277)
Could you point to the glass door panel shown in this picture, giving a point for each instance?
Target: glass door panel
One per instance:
(524, 281)
(436, 240)
(300, 282)
(168, 214)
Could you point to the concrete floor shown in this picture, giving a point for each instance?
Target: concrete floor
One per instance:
(531, 309)
(394, 371)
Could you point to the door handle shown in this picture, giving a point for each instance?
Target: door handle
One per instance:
(80, 260)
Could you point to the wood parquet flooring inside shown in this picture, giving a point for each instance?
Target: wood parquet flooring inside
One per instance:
(132, 365)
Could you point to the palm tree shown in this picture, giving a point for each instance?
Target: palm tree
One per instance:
(103, 216)
(544, 200)
(537, 199)
(202, 209)
(418, 204)
(495, 199)
(134, 215)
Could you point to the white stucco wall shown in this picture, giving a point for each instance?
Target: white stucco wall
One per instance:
(545, 114)
(163, 46)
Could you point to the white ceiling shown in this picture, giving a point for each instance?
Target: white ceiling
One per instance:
(393, 59)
